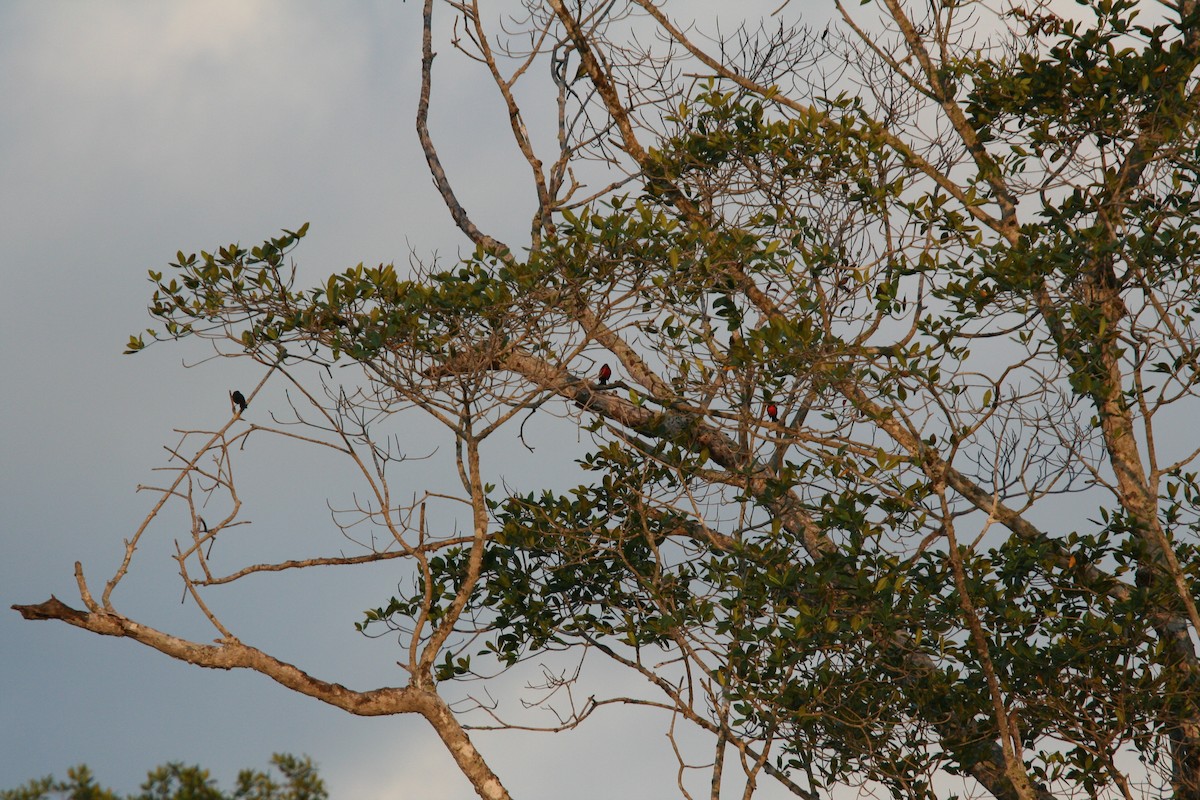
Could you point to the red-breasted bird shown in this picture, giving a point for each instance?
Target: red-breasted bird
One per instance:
(773, 412)
(238, 401)
(605, 374)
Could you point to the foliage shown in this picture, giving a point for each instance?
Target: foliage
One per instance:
(177, 781)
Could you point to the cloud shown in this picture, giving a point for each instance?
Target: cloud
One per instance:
(180, 84)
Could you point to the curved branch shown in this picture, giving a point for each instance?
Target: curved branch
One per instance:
(461, 218)
(230, 653)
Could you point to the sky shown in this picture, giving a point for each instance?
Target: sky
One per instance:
(132, 130)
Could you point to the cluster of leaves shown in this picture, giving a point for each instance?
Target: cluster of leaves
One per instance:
(1094, 83)
(248, 296)
(826, 654)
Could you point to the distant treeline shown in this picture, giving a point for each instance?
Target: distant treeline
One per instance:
(177, 781)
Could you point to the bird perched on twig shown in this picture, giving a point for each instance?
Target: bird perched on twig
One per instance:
(238, 401)
(605, 374)
(773, 412)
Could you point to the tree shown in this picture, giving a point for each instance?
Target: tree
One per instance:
(80, 785)
(178, 781)
(961, 266)
(303, 783)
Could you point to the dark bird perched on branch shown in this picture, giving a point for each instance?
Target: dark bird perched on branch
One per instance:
(605, 374)
(773, 412)
(238, 401)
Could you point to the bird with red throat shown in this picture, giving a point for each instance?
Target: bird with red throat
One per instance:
(605, 374)
(773, 412)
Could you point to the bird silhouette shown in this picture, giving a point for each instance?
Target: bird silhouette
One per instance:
(605, 374)
(773, 412)
(238, 400)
